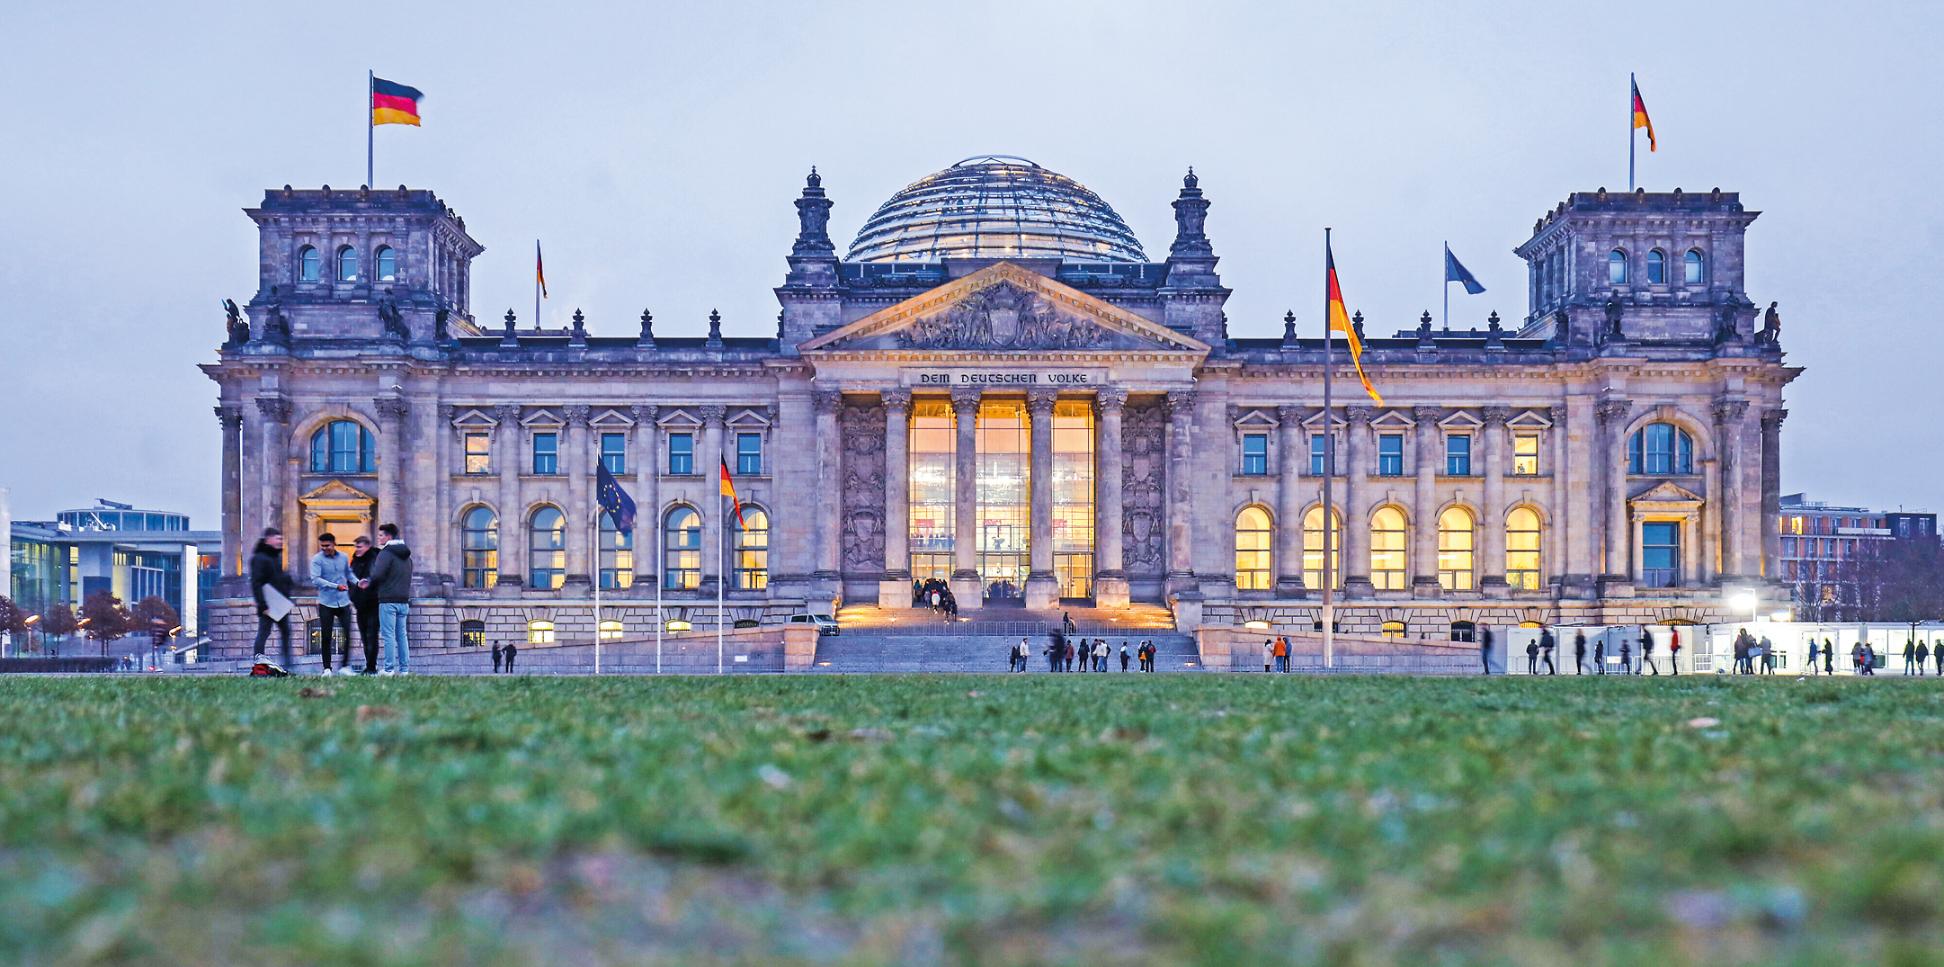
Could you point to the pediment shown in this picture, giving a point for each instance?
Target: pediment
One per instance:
(1256, 418)
(679, 419)
(610, 419)
(473, 418)
(1393, 420)
(1004, 308)
(1667, 492)
(1461, 420)
(1530, 420)
(335, 492)
(543, 418)
(752, 418)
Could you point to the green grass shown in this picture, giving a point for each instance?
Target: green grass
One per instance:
(1211, 819)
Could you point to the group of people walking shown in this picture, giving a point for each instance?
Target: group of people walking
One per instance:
(1539, 653)
(371, 586)
(936, 595)
(1066, 653)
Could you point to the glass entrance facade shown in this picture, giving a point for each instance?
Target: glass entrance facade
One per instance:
(934, 475)
(1005, 498)
(1073, 497)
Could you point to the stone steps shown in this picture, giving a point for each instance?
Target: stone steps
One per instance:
(867, 653)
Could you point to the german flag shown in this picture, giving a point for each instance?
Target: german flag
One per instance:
(729, 491)
(1640, 119)
(394, 103)
(1340, 322)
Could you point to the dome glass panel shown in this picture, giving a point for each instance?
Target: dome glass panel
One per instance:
(991, 207)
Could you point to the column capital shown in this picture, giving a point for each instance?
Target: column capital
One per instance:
(644, 413)
(1357, 415)
(896, 399)
(1495, 416)
(1039, 402)
(966, 398)
(1772, 419)
(1425, 414)
(1290, 414)
(393, 408)
(1611, 412)
(230, 415)
(713, 413)
(275, 409)
(1110, 398)
(1180, 402)
(1730, 411)
(577, 414)
(508, 414)
(826, 400)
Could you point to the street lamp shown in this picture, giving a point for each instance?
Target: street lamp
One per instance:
(1745, 600)
(32, 620)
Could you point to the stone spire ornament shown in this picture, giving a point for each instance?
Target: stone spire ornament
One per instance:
(813, 220)
(579, 335)
(1289, 329)
(1191, 215)
(647, 339)
(508, 337)
(715, 329)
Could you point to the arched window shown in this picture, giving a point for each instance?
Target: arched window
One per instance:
(1464, 631)
(1253, 537)
(1656, 267)
(479, 548)
(308, 264)
(387, 260)
(617, 555)
(1313, 548)
(472, 634)
(347, 264)
(1387, 549)
(1392, 629)
(1660, 450)
(611, 630)
(547, 549)
(540, 632)
(1691, 267)
(682, 554)
(751, 570)
(1457, 535)
(1522, 549)
(1617, 267)
(343, 446)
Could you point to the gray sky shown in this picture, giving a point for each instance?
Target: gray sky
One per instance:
(656, 150)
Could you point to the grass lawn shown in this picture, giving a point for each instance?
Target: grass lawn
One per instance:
(1177, 818)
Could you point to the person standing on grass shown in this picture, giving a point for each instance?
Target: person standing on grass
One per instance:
(1768, 657)
(497, 653)
(1282, 654)
(1101, 651)
(1599, 655)
(1937, 655)
(330, 572)
(364, 601)
(1124, 655)
(391, 579)
(1923, 655)
(1485, 650)
(1579, 651)
(1910, 655)
(1813, 667)
(1069, 654)
(267, 571)
(1829, 657)
(1626, 656)
(1052, 652)
(512, 649)
(1532, 657)
(1546, 645)
(1674, 651)
(1647, 651)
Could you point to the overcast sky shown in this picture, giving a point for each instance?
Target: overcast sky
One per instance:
(656, 150)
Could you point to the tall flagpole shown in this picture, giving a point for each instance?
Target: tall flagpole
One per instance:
(536, 284)
(595, 540)
(371, 123)
(1445, 272)
(1632, 86)
(1329, 468)
(720, 525)
(660, 560)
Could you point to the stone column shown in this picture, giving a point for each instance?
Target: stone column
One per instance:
(508, 458)
(576, 462)
(230, 417)
(647, 473)
(1042, 587)
(1354, 536)
(274, 412)
(1728, 416)
(1491, 522)
(1424, 501)
(1770, 524)
(894, 591)
(830, 488)
(392, 457)
(712, 433)
(1181, 503)
(965, 511)
(1613, 415)
(1289, 502)
(1110, 563)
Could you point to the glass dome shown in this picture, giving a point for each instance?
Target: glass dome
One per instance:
(995, 206)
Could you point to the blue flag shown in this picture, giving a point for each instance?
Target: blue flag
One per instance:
(1455, 272)
(614, 501)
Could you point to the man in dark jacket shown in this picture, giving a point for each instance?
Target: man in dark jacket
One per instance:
(1546, 645)
(391, 581)
(1579, 652)
(267, 571)
(512, 650)
(364, 603)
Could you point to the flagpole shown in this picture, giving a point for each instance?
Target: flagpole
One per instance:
(1329, 468)
(536, 284)
(1632, 86)
(719, 575)
(595, 540)
(660, 560)
(1445, 270)
(371, 123)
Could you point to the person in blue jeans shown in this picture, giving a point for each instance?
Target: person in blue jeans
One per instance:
(391, 582)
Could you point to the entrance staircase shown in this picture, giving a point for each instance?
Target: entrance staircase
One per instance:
(879, 640)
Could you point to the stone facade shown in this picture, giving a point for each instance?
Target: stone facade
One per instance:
(1613, 458)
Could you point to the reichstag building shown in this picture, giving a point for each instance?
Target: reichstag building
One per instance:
(997, 386)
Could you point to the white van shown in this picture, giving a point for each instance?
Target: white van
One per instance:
(825, 624)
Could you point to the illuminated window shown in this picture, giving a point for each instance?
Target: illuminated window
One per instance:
(1253, 537)
(1656, 267)
(1387, 556)
(309, 265)
(752, 550)
(347, 264)
(1522, 534)
(682, 550)
(479, 453)
(1525, 454)
(1457, 536)
(1073, 497)
(1004, 468)
(1392, 629)
(387, 261)
(617, 555)
(1313, 548)
(547, 549)
(343, 446)
(479, 548)
(933, 478)
(1464, 631)
(472, 634)
(540, 632)
(1617, 267)
(1692, 267)
(611, 630)
(1255, 454)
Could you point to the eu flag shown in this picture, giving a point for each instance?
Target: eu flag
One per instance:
(614, 501)
(1456, 272)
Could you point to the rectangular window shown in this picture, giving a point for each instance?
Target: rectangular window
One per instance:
(1319, 444)
(1255, 454)
(749, 454)
(1458, 455)
(479, 453)
(614, 453)
(1525, 454)
(1390, 454)
(1660, 554)
(681, 454)
(546, 453)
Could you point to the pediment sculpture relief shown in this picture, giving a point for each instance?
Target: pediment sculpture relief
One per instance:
(1003, 316)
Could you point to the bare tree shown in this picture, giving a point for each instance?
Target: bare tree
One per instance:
(107, 619)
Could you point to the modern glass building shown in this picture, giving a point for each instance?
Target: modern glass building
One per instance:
(114, 547)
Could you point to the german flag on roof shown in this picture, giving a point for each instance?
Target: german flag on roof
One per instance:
(394, 103)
